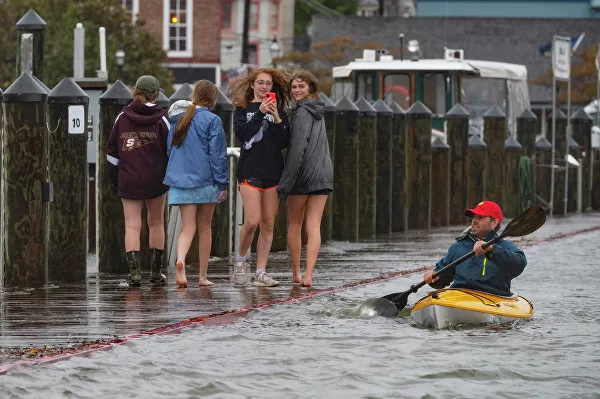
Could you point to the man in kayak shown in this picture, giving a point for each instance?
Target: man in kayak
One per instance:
(491, 272)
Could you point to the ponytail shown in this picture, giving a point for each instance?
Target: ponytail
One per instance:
(183, 125)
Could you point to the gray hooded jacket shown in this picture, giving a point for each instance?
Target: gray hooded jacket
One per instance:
(308, 166)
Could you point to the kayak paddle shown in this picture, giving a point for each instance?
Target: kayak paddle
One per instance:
(525, 223)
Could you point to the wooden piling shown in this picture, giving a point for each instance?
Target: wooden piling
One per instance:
(560, 151)
(494, 130)
(399, 194)
(383, 207)
(458, 140)
(440, 191)
(68, 172)
(526, 132)
(330, 126)
(476, 172)
(541, 171)
(367, 168)
(582, 134)
(512, 185)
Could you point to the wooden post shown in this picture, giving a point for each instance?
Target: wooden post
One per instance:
(398, 197)
(330, 126)
(458, 140)
(367, 168)
(476, 173)
(32, 23)
(383, 207)
(345, 200)
(68, 172)
(110, 219)
(512, 186)
(526, 132)
(494, 130)
(25, 192)
(575, 152)
(418, 163)
(582, 134)
(541, 171)
(440, 192)
(183, 93)
(560, 150)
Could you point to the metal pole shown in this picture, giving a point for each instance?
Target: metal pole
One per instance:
(568, 134)
(551, 200)
(580, 185)
(27, 53)
(245, 44)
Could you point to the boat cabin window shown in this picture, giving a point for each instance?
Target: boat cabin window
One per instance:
(396, 87)
(341, 88)
(364, 85)
(434, 93)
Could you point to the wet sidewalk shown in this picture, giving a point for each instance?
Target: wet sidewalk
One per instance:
(39, 322)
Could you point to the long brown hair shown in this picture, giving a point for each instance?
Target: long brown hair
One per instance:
(242, 93)
(309, 79)
(144, 96)
(204, 95)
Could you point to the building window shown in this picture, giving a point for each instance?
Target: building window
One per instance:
(226, 14)
(132, 9)
(253, 54)
(254, 15)
(274, 14)
(177, 31)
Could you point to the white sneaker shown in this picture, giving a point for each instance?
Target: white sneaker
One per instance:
(239, 273)
(263, 280)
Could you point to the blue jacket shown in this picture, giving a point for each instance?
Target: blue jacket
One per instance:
(201, 160)
(491, 272)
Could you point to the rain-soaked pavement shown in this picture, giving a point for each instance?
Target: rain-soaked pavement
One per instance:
(105, 312)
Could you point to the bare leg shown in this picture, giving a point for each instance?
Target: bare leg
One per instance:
(270, 205)
(251, 198)
(132, 211)
(296, 207)
(205, 214)
(188, 229)
(314, 212)
(156, 221)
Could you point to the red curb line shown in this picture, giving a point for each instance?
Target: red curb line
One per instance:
(228, 316)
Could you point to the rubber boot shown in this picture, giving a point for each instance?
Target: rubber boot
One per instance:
(156, 264)
(135, 275)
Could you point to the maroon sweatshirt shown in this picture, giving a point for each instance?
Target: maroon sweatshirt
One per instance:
(138, 146)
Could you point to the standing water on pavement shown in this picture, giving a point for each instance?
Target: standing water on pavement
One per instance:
(315, 349)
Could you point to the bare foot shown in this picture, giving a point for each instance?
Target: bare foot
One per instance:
(296, 275)
(297, 279)
(180, 279)
(205, 283)
(306, 283)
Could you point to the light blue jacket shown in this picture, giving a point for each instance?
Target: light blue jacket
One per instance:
(201, 160)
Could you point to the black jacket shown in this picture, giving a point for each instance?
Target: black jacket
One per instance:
(308, 166)
(260, 158)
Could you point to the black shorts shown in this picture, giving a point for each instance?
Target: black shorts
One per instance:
(258, 184)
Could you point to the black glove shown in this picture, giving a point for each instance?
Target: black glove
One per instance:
(113, 177)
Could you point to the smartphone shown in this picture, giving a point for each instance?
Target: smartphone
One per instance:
(270, 95)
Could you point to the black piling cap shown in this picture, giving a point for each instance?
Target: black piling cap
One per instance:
(510, 144)
(476, 142)
(345, 105)
(25, 90)
(573, 145)
(494, 113)
(162, 100)
(527, 115)
(382, 108)
(458, 112)
(581, 115)
(118, 94)
(67, 92)
(183, 93)
(559, 115)
(398, 111)
(31, 21)
(439, 145)
(418, 110)
(365, 108)
(223, 102)
(41, 83)
(543, 144)
(329, 105)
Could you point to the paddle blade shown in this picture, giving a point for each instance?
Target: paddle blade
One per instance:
(399, 298)
(526, 222)
(378, 307)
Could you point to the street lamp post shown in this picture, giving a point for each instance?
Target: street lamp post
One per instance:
(275, 49)
(120, 58)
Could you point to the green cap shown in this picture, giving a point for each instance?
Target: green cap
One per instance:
(148, 83)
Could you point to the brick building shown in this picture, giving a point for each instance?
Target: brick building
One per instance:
(190, 31)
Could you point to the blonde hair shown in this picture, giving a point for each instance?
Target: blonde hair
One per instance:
(242, 92)
(204, 95)
(308, 78)
(144, 96)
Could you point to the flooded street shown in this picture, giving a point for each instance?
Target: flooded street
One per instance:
(317, 348)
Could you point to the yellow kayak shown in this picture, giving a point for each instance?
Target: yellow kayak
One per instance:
(457, 306)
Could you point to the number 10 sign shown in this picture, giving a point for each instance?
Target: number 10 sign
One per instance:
(76, 118)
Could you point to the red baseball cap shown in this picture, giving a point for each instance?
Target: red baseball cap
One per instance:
(486, 208)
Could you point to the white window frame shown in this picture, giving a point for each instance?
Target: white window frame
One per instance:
(188, 32)
(135, 10)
